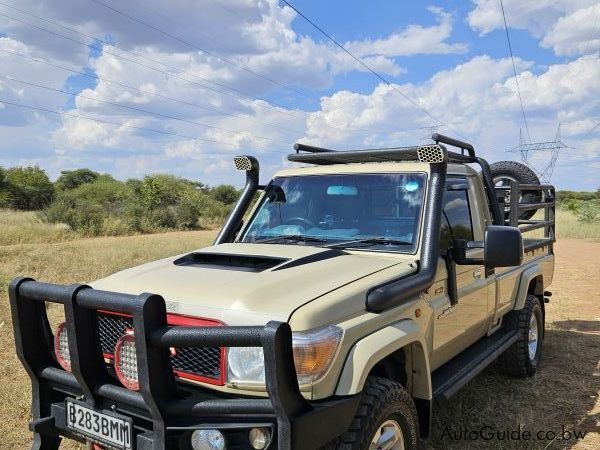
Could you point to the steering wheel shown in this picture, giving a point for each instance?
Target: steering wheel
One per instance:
(301, 221)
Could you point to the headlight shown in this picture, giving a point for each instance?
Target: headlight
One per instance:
(246, 365)
(314, 352)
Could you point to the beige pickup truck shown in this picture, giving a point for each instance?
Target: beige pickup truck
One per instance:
(333, 312)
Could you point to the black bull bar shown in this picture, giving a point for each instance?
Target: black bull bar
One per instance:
(159, 403)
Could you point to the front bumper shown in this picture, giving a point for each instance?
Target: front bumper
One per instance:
(163, 412)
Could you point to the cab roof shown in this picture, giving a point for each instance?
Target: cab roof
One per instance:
(372, 167)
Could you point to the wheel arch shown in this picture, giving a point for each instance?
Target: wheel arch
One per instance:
(397, 352)
(531, 282)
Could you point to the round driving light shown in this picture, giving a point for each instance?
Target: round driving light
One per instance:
(260, 438)
(61, 347)
(126, 362)
(208, 440)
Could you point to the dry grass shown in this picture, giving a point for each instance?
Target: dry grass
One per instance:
(564, 392)
(19, 227)
(567, 226)
(66, 262)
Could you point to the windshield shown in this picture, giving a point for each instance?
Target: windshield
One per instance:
(381, 211)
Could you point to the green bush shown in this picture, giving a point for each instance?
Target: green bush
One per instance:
(96, 208)
(27, 188)
(156, 203)
(166, 202)
(225, 193)
(70, 179)
(4, 194)
(588, 212)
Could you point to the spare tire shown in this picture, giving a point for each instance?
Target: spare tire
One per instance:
(503, 172)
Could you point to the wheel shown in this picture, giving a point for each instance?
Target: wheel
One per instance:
(386, 419)
(503, 172)
(523, 357)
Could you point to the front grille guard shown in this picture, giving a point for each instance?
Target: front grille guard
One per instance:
(158, 396)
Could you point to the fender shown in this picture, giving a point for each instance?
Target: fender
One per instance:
(373, 348)
(524, 281)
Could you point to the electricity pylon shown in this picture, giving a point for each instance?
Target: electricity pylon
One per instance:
(554, 147)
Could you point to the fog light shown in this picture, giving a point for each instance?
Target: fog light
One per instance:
(208, 440)
(260, 438)
(61, 347)
(126, 362)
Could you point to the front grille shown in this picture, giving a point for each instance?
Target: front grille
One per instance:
(200, 364)
(111, 328)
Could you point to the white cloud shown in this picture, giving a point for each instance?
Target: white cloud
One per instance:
(537, 16)
(576, 33)
(415, 39)
(563, 25)
(476, 99)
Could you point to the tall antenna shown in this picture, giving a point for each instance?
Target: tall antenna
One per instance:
(553, 147)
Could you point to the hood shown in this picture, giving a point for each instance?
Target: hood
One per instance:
(246, 283)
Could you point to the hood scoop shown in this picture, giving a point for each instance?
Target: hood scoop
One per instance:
(224, 261)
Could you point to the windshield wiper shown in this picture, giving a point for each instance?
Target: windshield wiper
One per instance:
(291, 237)
(369, 242)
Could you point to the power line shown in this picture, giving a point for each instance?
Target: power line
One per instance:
(591, 35)
(512, 58)
(356, 58)
(144, 65)
(592, 130)
(145, 111)
(229, 10)
(150, 93)
(108, 122)
(143, 91)
(190, 44)
(139, 55)
(105, 42)
(144, 5)
(116, 83)
(168, 74)
(370, 69)
(220, 58)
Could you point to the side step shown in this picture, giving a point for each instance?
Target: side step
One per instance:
(461, 369)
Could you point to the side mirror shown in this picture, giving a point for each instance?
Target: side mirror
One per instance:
(503, 246)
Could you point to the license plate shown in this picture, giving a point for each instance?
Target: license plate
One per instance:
(102, 427)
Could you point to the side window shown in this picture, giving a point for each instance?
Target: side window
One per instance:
(456, 220)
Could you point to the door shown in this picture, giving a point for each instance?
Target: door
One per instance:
(456, 326)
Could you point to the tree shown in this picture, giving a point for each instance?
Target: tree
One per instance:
(29, 188)
(225, 193)
(95, 208)
(70, 179)
(4, 194)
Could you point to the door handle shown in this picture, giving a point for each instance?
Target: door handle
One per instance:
(478, 272)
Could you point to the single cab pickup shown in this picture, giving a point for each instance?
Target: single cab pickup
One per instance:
(338, 303)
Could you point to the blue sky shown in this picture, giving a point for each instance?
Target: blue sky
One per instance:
(161, 104)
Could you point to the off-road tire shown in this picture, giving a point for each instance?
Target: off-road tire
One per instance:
(516, 361)
(522, 174)
(381, 400)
